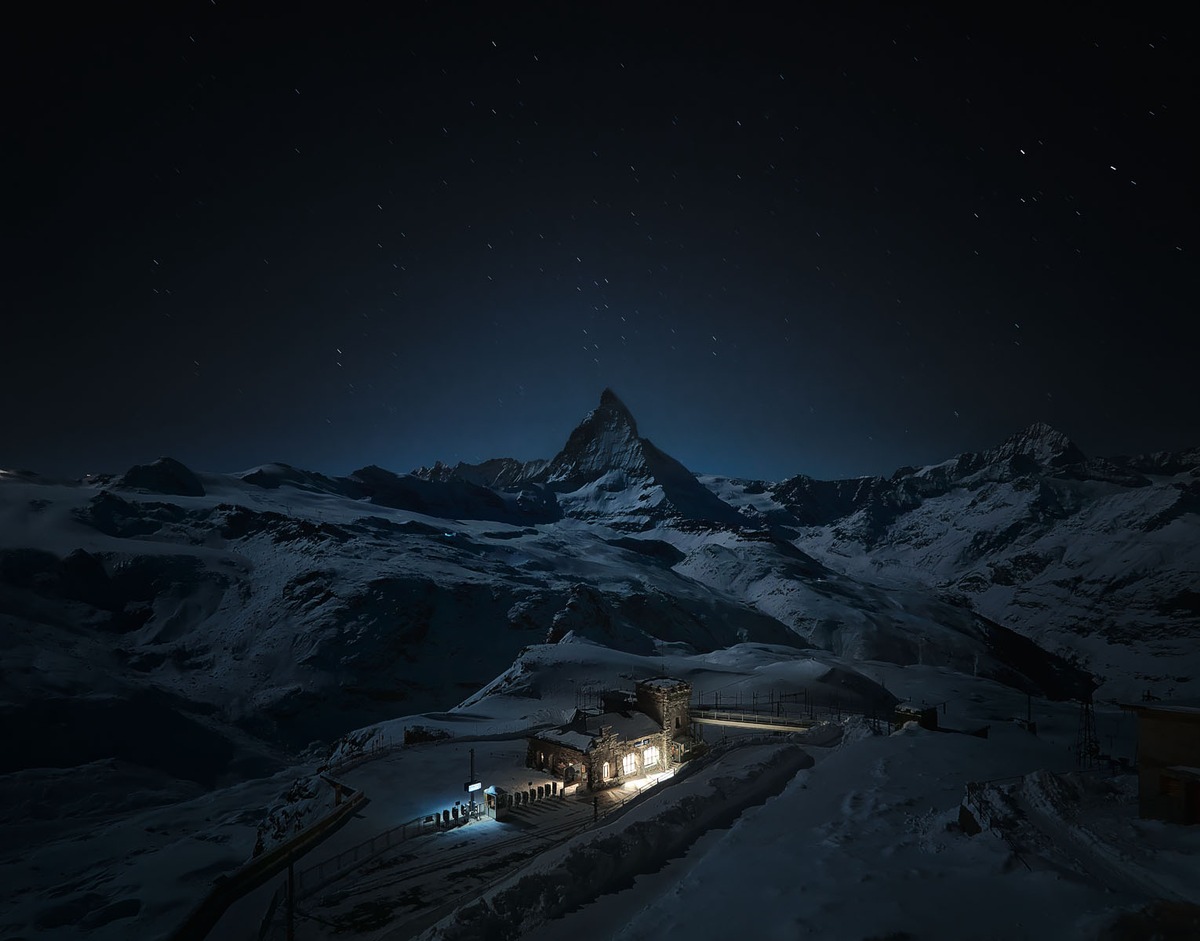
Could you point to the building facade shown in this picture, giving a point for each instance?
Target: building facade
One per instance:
(1168, 761)
(630, 738)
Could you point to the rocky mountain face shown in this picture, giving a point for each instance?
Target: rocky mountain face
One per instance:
(869, 505)
(1095, 558)
(606, 473)
(170, 640)
(280, 607)
(605, 442)
(500, 473)
(255, 613)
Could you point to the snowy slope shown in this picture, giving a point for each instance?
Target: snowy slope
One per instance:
(184, 634)
(298, 614)
(279, 606)
(286, 614)
(1092, 558)
(867, 843)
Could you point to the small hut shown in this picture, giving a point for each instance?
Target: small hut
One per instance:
(1168, 760)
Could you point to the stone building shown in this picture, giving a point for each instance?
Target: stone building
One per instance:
(668, 702)
(630, 737)
(1168, 761)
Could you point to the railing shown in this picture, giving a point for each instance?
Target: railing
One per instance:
(377, 748)
(603, 816)
(759, 719)
(796, 703)
(621, 804)
(316, 877)
(228, 889)
(330, 870)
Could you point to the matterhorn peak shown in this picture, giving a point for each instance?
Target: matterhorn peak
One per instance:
(606, 440)
(606, 465)
(610, 402)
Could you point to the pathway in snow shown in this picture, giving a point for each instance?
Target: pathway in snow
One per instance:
(412, 885)
(714, 794)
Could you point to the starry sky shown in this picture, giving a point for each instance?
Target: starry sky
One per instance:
(834, 243)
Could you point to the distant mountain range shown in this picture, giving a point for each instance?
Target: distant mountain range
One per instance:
(250, 614)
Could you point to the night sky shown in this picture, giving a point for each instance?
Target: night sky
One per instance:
(833, 243)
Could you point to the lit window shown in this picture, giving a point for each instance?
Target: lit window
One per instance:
(629, 764)
(650, 757)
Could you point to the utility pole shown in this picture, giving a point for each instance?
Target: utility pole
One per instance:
(291, 898)
(471, 779)
(1087, 745)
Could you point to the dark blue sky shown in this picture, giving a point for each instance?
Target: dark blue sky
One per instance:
(832, 245)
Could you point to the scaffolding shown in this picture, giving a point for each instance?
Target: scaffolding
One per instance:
(1087, 745)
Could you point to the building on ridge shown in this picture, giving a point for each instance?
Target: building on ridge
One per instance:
(631, 736)
(1168, 760)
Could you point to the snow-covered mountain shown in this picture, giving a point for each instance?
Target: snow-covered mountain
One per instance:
(606, 473)
(1094, 558)
(278, 606)
(1089, 556)
(169, 633)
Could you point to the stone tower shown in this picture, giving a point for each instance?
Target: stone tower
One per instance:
(667, 700)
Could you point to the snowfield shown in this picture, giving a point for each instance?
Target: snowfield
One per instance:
(605, 860)
(180, 649)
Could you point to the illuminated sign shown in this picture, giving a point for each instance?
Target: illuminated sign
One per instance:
(472, 786)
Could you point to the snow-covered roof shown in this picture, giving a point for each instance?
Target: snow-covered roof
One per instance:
(1188, 708)
(663, 682)
(580, 741)
(629, 726)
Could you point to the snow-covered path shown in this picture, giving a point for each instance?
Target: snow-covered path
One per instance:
(862, 845)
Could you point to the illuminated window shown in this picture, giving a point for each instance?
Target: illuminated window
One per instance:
(629, 764)
(605, 772)
(650, 757)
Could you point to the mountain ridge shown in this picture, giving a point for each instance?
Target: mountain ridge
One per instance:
(1023, 533)
(187, 643)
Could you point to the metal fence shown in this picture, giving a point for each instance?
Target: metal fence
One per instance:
(313, 879)
(323, 873)
(801, 703)
(748, 719)
(377, 748)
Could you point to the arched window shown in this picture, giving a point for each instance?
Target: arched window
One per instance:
(605, 772)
